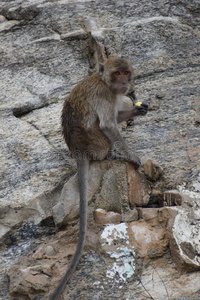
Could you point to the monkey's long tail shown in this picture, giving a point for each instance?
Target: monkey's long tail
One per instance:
(83, 184)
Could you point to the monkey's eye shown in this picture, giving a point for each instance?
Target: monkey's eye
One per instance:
(117, 73)
(126, 72)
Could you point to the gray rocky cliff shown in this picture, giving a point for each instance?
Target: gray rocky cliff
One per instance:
(46, 48)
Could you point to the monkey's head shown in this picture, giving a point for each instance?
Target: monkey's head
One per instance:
(117, 73)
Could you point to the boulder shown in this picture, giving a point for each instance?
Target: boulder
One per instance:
(152, 170)
(184, 236)
(113, 185)
(103, 217)
(149, 241)
(139, 187)
(30, 280)
(67, 208)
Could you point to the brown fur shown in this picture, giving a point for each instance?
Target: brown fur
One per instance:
(75, 110)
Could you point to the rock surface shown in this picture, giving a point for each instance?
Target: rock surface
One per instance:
(46, 48)
(112, 185)
(139, 187)
(149, 242)
(152, 170)
(121, 246)
(103, 217)
(184, 238)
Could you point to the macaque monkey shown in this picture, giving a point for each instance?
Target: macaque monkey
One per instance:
(89, 120)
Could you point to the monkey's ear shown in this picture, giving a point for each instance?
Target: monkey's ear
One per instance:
(101, 68)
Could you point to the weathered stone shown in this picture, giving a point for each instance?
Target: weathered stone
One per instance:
(167, 198)
(154, 104)
(152, 170)
(130, 215)
(115, 241)
(149, 241)
(184, 241)
(47, 121)
(103, 217)
(114, 189)
(45, 50)
(139, 188)
(158, 216)
(172, 198)
(31, 171)
(49, 251)
(67, 208)
(30, 280)
(163, 281)
(6, 25)
(40, 272)
(107, 179)
(149, 215)
(114, 192)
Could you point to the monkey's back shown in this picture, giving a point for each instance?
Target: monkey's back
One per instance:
(79, 117)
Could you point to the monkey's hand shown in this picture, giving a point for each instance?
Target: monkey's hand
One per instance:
(142, 108)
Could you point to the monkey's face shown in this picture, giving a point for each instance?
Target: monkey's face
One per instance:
(117, 74)
(120, 81)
